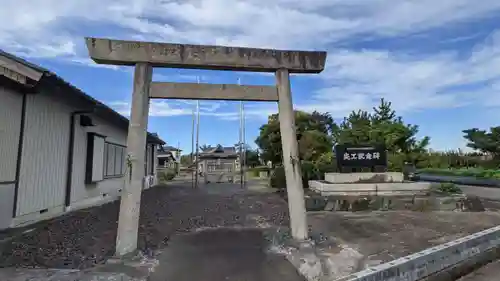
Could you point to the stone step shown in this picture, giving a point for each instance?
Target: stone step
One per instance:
(364, 177)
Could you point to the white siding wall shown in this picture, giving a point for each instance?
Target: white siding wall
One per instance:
(44, 156)
(43, 173)
(10, 124)
(79, 190)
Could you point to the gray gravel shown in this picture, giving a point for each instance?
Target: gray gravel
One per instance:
(86, 238)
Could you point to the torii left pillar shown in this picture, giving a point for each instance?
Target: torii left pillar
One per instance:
(128, 222)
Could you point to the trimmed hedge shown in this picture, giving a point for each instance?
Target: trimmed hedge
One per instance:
(464, 172)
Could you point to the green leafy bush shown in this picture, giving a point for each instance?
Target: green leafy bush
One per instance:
(326, 163)
(255, 172)
(395, 162)
(166, 175)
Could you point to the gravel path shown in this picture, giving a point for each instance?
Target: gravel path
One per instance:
(87, 237)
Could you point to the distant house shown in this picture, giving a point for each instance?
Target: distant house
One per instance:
(169, 157)
(60, 149)
(219, 164)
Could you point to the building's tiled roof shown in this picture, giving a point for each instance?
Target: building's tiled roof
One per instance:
(51, 79)
(219, 152)
(169, 148)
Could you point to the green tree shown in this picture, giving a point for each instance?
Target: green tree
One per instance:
(484, 141)
(186, 160)
(205, 147)
(252, 157)
(313, 134)
(382, 126)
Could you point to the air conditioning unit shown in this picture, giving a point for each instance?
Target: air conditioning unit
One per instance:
(86, 121)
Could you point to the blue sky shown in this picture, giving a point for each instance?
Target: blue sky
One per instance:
(438, 62)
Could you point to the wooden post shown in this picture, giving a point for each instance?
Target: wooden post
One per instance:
(128, 222)
(291, 162)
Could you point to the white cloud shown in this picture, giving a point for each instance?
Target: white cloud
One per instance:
(170, 107)
(219, 109)
(358, 79)
(353, 79)
(259, 23)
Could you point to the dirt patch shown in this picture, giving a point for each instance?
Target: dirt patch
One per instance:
(384, 236)
(85, 238)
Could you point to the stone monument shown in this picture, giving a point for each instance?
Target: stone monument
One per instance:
(363, 172)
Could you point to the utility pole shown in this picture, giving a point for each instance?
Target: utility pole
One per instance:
(192, 150)
(240, 141)
(197, 140)
(244, 141)
(179, 155)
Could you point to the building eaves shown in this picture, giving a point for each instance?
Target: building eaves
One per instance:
(51, 79)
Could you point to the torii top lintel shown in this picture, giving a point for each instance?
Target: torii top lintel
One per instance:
(119, 52)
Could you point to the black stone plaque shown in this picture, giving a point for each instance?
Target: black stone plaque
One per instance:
(352, 158)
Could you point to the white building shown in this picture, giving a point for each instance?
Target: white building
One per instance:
(60, 149)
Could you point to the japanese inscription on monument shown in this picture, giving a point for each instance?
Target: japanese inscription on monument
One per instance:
(361, 156)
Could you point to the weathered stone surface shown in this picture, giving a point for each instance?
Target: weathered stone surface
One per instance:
(401, 203)
(119, 52)
(369, 189)
(167, 90)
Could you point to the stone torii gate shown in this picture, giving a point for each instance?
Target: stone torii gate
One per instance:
(146, 55)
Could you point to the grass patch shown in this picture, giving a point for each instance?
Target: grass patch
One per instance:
(448, 188)
(464, 172)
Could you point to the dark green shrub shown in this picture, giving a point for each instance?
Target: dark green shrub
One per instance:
(278, 179)
(309, 172)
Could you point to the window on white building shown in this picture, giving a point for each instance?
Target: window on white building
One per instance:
(114, 160)
(95, 158)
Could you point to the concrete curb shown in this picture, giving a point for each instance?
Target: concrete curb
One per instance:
(437, 263)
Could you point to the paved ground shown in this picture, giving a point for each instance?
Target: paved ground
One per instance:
(223, 254)
(489, 272)
(492, 193)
